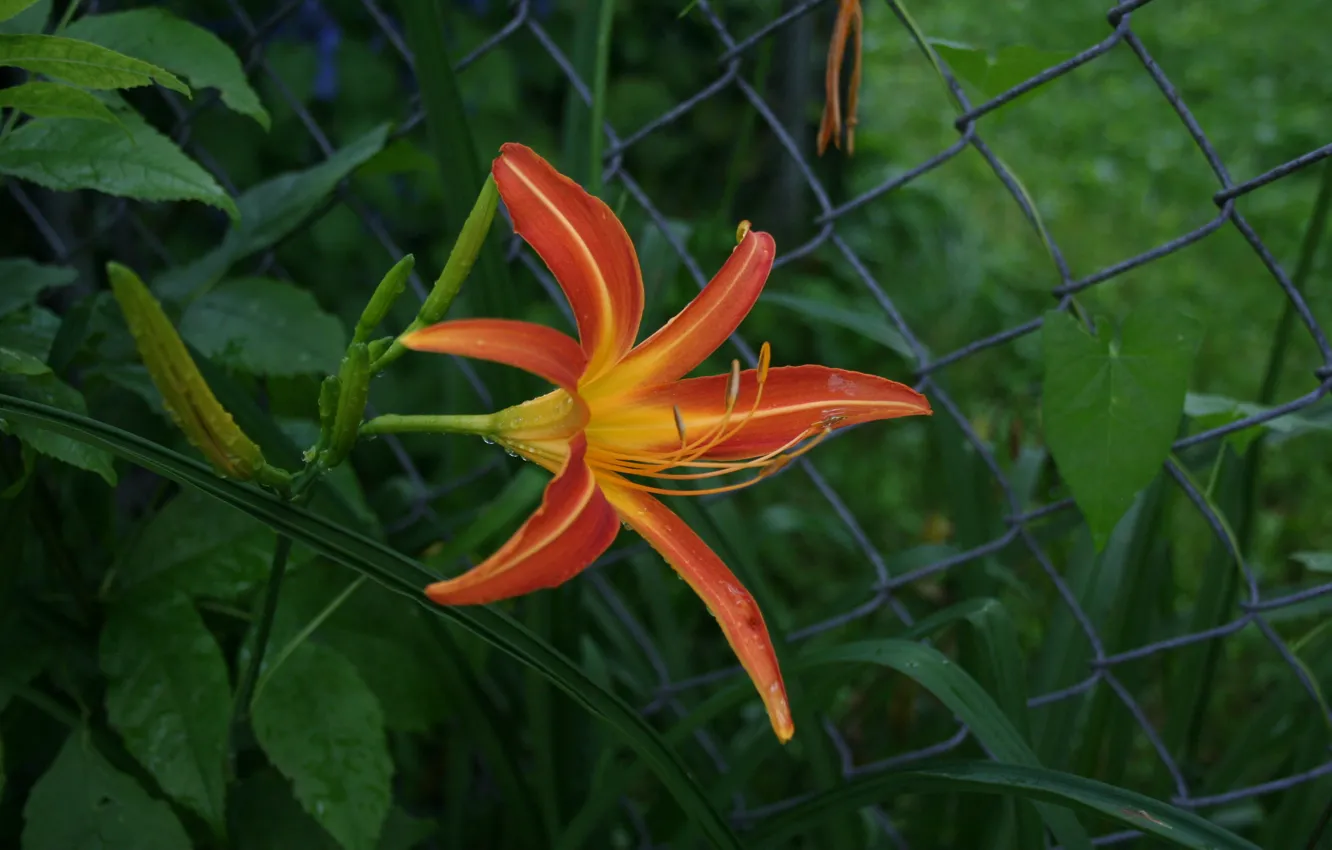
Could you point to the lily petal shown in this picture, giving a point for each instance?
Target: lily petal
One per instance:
(543, 351)
(584, 246)
(732, 605)
(573, 526)
(701, 327)
(796, 400)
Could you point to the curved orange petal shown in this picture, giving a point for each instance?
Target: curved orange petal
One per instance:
(543, 351)
(796, 400)
(732, 605)
(585, 247)
(701, 327)
(573, 526)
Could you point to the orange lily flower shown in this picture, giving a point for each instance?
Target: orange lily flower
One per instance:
(622, 413)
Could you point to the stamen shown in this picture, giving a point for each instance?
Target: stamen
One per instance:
(741, 231)
(679, 425)
(733, 386)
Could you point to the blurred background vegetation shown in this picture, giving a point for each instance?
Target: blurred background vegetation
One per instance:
(1112, 171)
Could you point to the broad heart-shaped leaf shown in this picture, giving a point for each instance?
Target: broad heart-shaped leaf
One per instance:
(391, 648)
(133, 161)
(320, 725)
(1112, 406)
(268, 212)
(83, 803)
(46, 388)
(1168, 825)
(83, 64)
(969, 701)
(55, 100)
(265, 327)
(159, 37)
(22, 280)
(993, 72)
(168, 696)
(199, 547)
(403, 576)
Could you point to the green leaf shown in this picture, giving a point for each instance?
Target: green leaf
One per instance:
(1213, 411)
(1174, 826)
(29, 20)
(1112, 406)
(199, 547)
(404, 576)
(390, 647)
(1319, 562)
(993, 71)
(969, 701)
(10, 8)
(168, 697)
(268, 212)
(46, 388)
(32, 331)
(868, 325)
(67, 154)
(83, 803)
(22, 280)
(332, 747)
(264, 327)
(159, 37)
(55, 100)
(83, 64)
(21, 363)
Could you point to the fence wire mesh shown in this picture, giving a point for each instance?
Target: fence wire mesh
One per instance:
(882, 587)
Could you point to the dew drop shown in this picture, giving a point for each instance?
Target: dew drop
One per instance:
(488, 441)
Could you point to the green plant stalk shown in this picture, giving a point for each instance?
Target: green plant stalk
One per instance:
(392, 423)
(240, 706)
(304, 634)
(469, 245)
(596, 136)
(49, 706)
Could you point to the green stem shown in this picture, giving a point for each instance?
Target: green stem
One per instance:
(70, 11)
(240, 707)
(605, 18)
(391, 423)
(304, 634)
(49, 706)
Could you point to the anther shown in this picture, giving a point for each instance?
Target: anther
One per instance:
(741, 231)
(733, 386)
(679, 424)
(764, 361)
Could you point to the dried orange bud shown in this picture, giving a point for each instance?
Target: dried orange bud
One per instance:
(849, 14)
(192, 405)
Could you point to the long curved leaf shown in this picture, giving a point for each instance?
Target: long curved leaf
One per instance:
(1178, 827)
(402, 575)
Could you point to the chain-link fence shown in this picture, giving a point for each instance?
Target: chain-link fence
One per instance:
(882, 587)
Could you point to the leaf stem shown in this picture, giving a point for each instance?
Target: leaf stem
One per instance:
(49, 706)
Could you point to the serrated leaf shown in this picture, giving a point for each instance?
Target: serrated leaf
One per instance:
(66, 154)
(268, 212)
(159, 37)
(29, 20)
(320, 725)
(83, 64)
(1112, 406)
(22, 280)
(46, 388)
(169, 698)
(10, 8)
(265, 327)
(199, 547)
(83, 803)
(55, 100)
